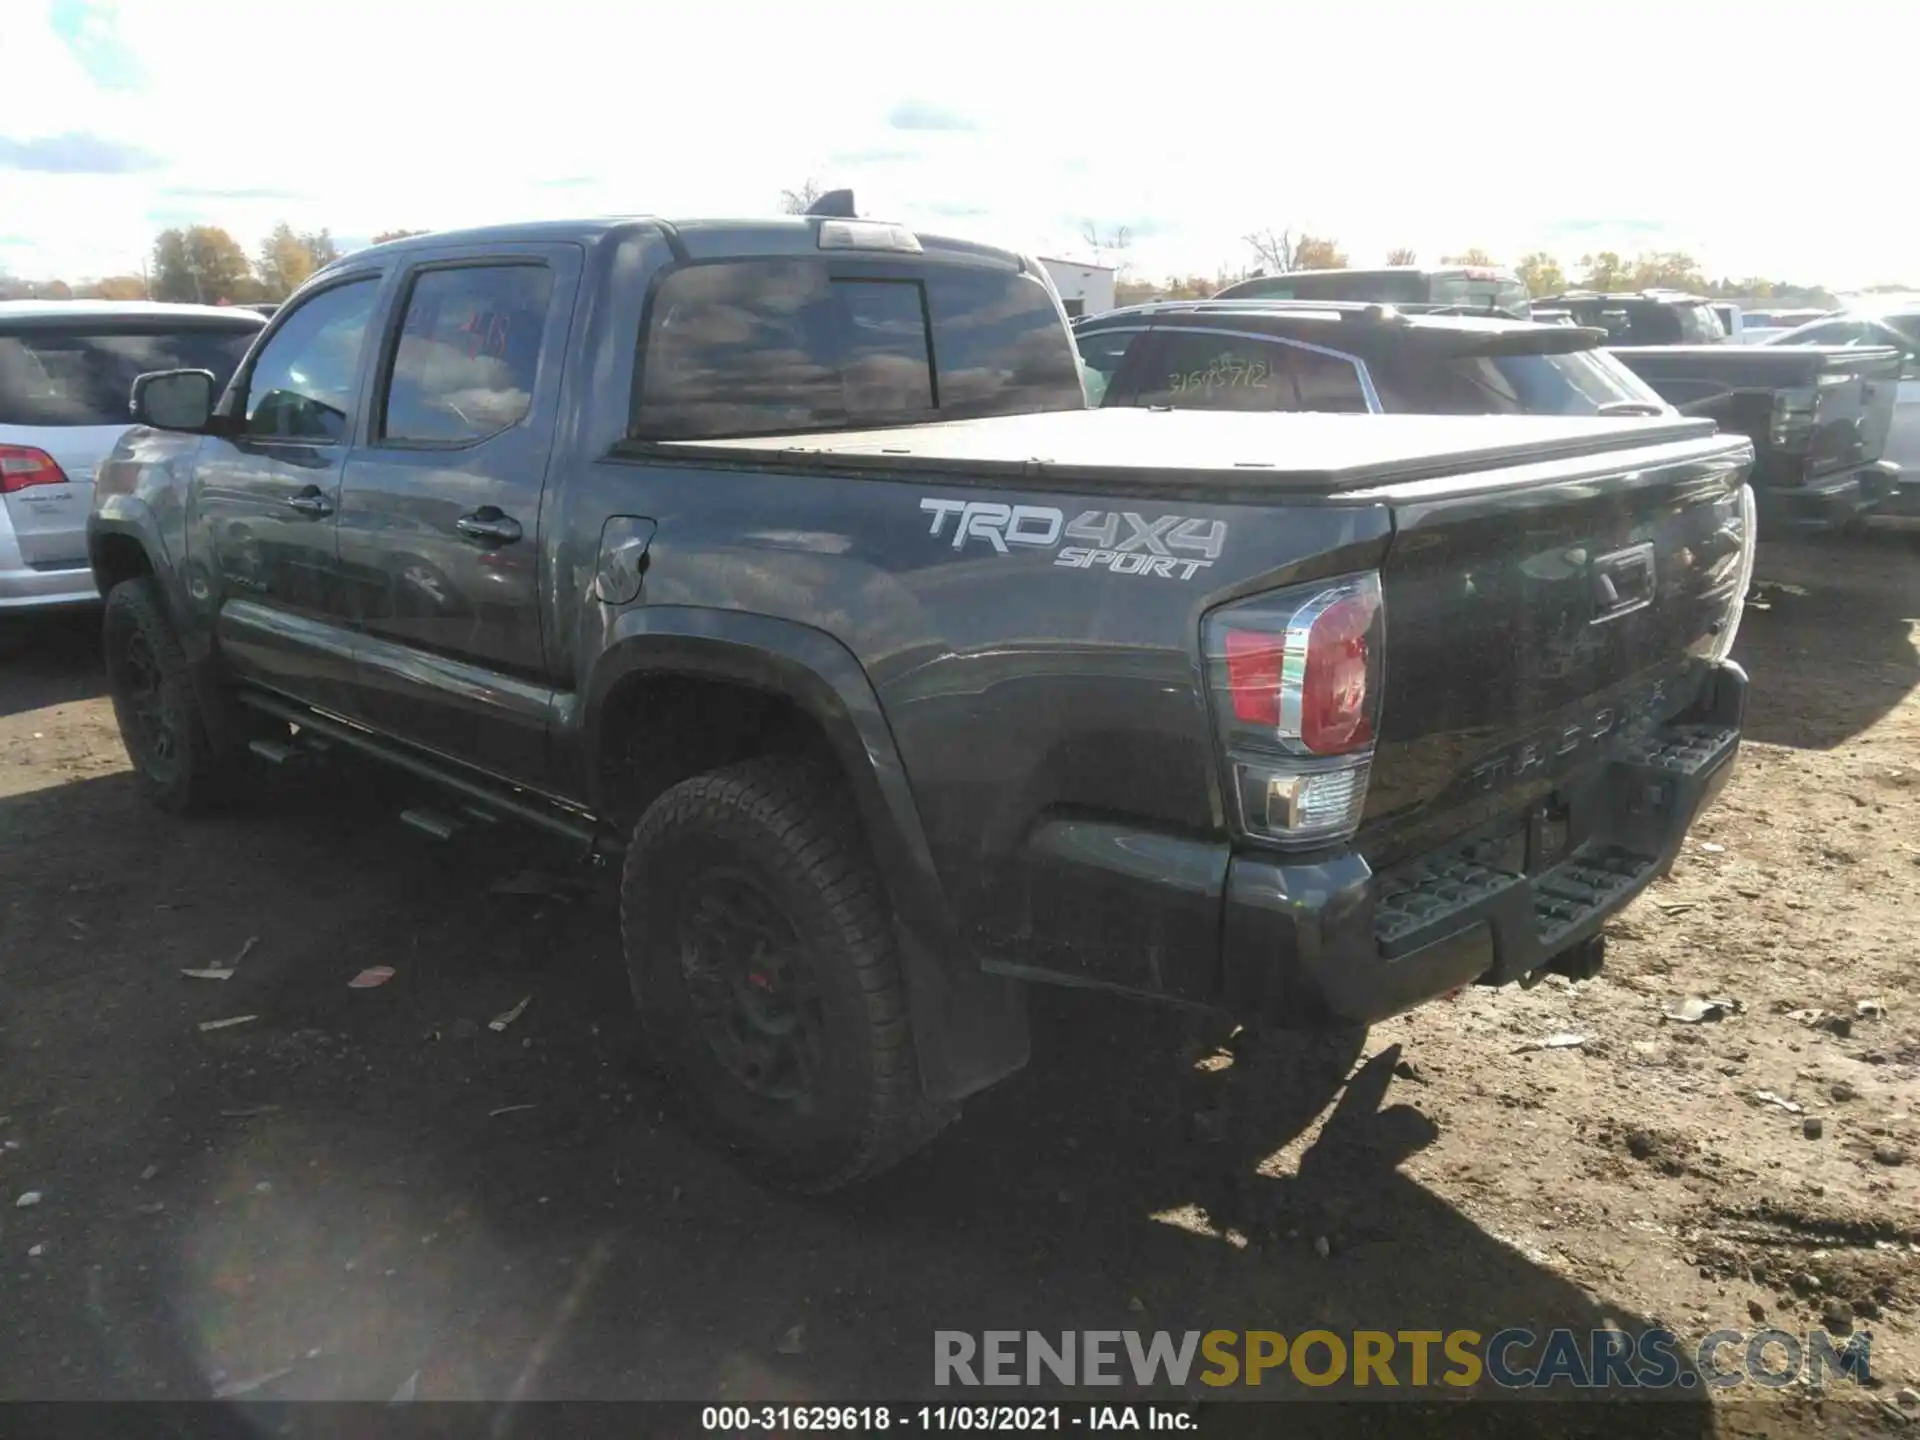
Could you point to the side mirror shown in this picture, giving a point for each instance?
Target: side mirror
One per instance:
(173, 399)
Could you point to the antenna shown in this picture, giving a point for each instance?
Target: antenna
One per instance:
(835, 205)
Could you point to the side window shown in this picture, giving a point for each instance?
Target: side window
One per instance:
(468, 353)
(1199, 370)
(301, 386)
(1840, 332)
(1101, 355)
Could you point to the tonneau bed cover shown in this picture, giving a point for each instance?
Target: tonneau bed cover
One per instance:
(1305, 452)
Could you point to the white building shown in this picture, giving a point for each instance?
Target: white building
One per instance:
(1086, 289)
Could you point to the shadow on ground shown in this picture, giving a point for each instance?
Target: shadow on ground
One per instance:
(360, 1193)
(1829, 637)
(50, 660)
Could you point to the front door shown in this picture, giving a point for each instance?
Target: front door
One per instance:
(440, 508)
(265, 498)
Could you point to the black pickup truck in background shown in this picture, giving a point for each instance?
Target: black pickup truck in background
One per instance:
(785, 561)
(1818, 417)
(1818, 423)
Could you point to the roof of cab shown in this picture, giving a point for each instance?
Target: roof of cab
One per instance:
(122, 310)
(705, 238)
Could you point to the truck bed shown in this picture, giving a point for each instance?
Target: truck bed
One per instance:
(1125, 448)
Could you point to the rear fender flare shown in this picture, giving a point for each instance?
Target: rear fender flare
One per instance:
(970, 1028)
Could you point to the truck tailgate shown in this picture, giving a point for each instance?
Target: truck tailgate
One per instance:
(1532, 629)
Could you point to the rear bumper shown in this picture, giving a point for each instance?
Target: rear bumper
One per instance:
(1827, 502)
(1332, 942)
(25, 588)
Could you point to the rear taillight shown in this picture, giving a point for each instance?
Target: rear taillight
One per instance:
(1296, 679)
(22, 466)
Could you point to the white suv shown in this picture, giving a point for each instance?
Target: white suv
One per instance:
(66, 370)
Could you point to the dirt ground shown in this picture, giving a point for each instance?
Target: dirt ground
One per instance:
(365, 1192)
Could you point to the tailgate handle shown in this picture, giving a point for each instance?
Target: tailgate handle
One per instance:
(1622, 582)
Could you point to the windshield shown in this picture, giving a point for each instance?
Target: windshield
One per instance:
(1579, 383)
(85, 377)
(1506, 295)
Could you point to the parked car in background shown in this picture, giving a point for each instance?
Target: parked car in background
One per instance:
(1818, 416)
(1286, 716)
(1468, 288)
(1732, 320)
(1644, 317)
(1763, 324)
(66, 367)
(1280, 355)
(1895, 329)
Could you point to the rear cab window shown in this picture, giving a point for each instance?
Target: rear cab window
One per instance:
(83, 374)
(770, 346)
(1580, 382)
(1210, 370)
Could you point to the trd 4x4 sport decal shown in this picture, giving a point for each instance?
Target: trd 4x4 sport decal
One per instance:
(1116, 540)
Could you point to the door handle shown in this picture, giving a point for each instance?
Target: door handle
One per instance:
(310, 502)
(489, 525)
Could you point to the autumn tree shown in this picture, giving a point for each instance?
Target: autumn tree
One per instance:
(1401, 255)
(200, 263)
(795, 202)
(1605, 271)
(1313, 252)
(385, 235)
(1473, 255)
(1541, 274)
(288, 257)
(1668, 270)
(115, 287)
(1273, 249)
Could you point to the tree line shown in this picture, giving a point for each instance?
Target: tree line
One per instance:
(207, 266)
(1277, 251)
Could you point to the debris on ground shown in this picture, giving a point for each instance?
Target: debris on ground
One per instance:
(1699, 1009)
(540, 883)
(249, 1385)
(372, 976)
(230, 1020)
(28, 1200)
(34, 1252)
(1322, 1246)
(1767, 1097)
(214, 972)
(1407, 1070)
(502, 1021)
(1559, 1040)
(1870, 1009)
(1842, 1091)
(1808, 1016)
(408, 1389)
(509, 1110)
(149, 1172)
(1812, 1127)
(794, 1342)
(1712, 848)
(1889, 1154)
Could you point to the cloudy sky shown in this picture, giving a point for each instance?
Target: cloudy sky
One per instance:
(1568, 127)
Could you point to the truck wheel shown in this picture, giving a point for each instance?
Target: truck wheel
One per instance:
(762, 959)
(154, 700)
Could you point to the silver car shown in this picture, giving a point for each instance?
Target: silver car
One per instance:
(66, 369)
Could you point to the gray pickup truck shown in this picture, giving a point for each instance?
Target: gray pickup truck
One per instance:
(785, 561)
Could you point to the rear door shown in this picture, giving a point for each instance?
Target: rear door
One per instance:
(64, 388)
(441, 506)
(265, 493)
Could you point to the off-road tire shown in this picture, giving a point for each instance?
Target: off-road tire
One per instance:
(189, 775)
(789, 830)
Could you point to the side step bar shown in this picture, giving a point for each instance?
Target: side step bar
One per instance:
(483, 797)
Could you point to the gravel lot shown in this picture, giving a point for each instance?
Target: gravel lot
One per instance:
(364, 1188)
